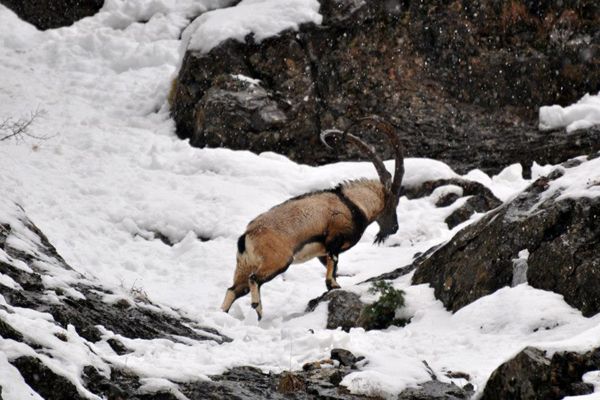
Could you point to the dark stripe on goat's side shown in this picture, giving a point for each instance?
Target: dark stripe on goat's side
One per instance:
(242, 244)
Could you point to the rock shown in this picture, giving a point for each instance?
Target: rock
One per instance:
(245, 107)
(481, 199)
(469, 188)
(246, 383)
(436, 390)
(44, 381)
(562, 238)
(117, 346)
(447, 199)
(345, 357)
(8, 332)
(465, 93)
(46, 14)
(532, 375)
(344, 309)
(474, 204)
(397, 273)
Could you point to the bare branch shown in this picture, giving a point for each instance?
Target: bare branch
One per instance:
(19, 129)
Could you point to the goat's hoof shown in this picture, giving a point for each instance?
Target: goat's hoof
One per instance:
(332, 285)
(254, 305)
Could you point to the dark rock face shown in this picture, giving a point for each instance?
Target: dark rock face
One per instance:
(562, 238)
(532, 375)
(46, 383)
(461, 80)
(48, 14)
(246, 108)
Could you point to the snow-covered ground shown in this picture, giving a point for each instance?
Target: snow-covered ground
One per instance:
(111, 174)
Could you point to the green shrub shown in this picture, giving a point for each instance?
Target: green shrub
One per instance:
(382, 313)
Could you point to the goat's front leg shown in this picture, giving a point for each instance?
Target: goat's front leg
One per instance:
(255, 295)
(332, 264)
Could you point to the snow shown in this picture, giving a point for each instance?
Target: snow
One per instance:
(581, 115)
(520, 268)
(113, 178)
(580, 181)
(262, 18)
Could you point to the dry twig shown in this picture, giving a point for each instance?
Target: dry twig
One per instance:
(19, 129)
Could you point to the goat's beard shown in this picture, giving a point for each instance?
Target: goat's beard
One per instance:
(380, 237)
(384, 232)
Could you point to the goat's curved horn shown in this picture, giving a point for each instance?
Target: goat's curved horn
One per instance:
(384, 175)
(393, 137)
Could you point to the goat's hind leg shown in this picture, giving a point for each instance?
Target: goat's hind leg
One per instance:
(228, 301)
(255, 295)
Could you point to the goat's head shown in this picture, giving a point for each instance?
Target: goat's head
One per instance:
(392, 187)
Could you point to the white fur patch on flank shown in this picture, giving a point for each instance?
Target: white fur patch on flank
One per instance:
(309, 251)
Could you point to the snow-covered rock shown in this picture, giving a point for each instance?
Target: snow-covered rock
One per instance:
(62, 335)
(533, 374)
(555, 220)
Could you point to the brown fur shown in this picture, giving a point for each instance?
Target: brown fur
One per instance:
(300, 229)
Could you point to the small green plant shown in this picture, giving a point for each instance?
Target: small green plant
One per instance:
(382, 313)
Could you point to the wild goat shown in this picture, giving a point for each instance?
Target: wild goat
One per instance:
(321, 224)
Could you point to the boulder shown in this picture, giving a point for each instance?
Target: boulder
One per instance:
(561, 236)
(47, 14)
(436, 390)
(461, 80)
(344, 309)
(533, 375)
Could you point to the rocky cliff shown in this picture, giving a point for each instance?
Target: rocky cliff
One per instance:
(462, 80)
(49, 14)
